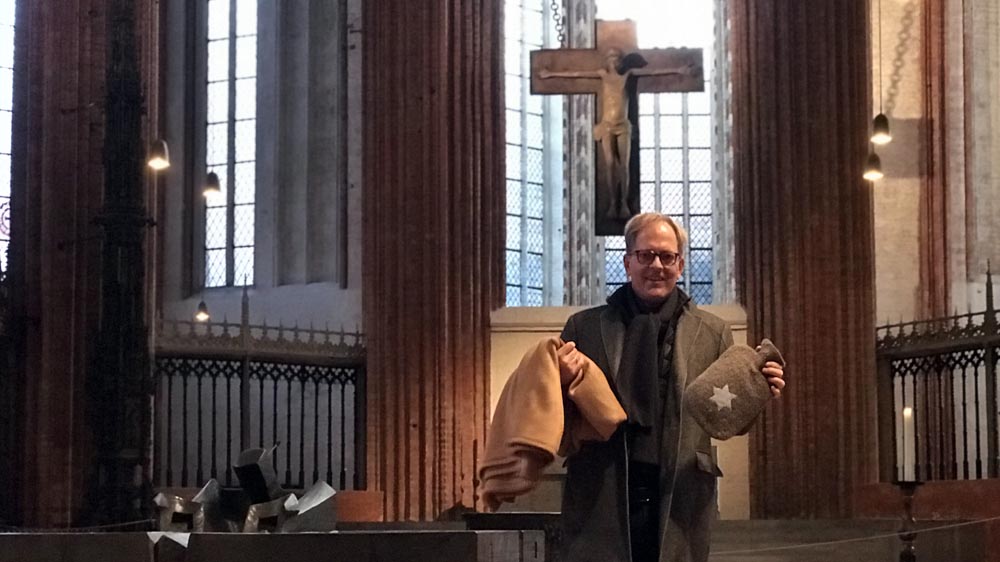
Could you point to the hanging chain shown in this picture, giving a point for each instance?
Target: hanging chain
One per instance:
(560, 22)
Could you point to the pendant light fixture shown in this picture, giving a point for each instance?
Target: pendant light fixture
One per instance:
(880, 125)
(873, 168)
(202, 315)
(159, 155)
(213, 188)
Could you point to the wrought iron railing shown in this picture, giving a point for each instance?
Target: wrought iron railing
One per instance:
(225, 387)
(937, 397)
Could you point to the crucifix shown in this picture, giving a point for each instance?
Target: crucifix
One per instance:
(616, 71)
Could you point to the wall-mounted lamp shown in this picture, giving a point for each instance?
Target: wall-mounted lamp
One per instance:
(202, 315)
(873, 168)
(213, 188)
(159, 155)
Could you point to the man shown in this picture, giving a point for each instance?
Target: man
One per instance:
(648, 493)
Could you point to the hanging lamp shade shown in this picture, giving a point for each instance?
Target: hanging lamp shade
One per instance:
(873, 168)
(202, 315)
(213, 188)
(159, 155)
(880, 129)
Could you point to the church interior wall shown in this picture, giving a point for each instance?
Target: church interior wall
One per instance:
(973, 63)
(897, 195)
(972, 151)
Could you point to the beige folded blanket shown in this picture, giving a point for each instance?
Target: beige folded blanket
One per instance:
(534, 409)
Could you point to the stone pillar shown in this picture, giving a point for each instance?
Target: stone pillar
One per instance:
(311, 153)
(935, 283)
(584, 258)
(57, 184)
(433, 207)
(59, 190)
(804, 245)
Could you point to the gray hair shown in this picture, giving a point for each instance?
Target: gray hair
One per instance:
(643, 220)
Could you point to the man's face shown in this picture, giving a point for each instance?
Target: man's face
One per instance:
(653, 283)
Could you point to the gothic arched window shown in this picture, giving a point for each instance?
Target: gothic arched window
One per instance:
(534, 163)
(231, 141)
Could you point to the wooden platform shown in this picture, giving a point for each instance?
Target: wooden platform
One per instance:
(744, 541)
(382, 546)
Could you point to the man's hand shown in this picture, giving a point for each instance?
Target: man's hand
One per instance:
(775, 375)
(571, 362)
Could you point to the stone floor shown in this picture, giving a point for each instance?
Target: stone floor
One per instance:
(834, 540)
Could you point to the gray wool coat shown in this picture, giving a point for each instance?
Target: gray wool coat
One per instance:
(595, 499)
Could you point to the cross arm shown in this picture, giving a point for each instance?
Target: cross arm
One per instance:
(566, 71)
(670, 70)
(545, 74)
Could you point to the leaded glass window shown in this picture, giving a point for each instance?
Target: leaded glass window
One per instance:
(675, 138)
(231, 141)
(7, 9)
(534, 163)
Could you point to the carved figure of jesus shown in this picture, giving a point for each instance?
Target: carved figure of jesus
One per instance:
(614, 130)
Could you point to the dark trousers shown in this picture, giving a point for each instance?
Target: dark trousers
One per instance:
(644, 511)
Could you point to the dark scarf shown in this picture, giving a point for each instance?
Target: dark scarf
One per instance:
(646, 365)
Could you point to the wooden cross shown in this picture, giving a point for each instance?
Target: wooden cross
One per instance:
(616, 72)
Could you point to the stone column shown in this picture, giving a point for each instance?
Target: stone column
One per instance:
(935, 284)
(310, 194)
(584, 258)
(804, 245)
(433, 244)
(62, 217)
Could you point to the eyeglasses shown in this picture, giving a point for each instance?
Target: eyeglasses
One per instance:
(645, 257)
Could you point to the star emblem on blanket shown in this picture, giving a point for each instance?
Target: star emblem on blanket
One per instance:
(722, 397)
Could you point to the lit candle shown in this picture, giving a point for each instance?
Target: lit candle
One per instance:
(907, 455)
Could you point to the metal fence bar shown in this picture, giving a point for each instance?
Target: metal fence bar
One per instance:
(184, 421)
(229, 430)
(246, 350)
(214, 471)
(168, 430)
(360, 425)
(315, 425)
(965, 422)
(991, 410)
(329, 434)
(288, 432)
(302, 431)
(200, 475)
